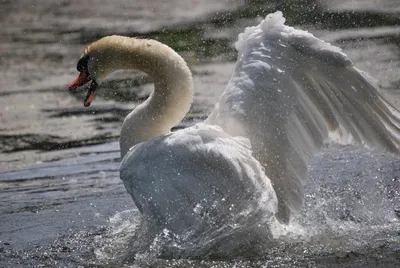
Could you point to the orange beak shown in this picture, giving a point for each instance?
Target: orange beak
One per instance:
(90, 94)
(82, 79)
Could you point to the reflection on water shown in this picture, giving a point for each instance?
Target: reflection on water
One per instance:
(62, 203)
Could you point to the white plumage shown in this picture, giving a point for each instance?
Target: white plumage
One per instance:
(199, 176)
(289, 94)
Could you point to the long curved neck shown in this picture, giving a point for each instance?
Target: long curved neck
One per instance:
(172, 95)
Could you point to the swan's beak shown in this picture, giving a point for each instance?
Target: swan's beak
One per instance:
(90, 94)
(82, 79)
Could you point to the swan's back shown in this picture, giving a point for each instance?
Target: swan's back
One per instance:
(291, 93)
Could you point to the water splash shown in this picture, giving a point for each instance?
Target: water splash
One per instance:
(347, 212)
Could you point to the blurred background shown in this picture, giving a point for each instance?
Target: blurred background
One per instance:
(59, 160)
(42, 41)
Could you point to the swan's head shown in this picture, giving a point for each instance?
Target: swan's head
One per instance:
(95, 64)
(112, 53)
(85, 76)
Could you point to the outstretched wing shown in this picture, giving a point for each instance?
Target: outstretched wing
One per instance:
(290, 93)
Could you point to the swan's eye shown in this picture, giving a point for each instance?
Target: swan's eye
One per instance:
(82, 65)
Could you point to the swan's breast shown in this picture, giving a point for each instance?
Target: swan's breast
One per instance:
(170, 177)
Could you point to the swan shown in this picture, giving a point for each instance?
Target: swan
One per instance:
(289, 95)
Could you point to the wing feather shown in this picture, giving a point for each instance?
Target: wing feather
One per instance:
(289, 95)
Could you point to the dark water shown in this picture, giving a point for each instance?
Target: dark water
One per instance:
(62, 203)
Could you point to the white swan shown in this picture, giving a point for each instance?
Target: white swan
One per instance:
(289, 94)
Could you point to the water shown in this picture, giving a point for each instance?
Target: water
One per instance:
(62, 202)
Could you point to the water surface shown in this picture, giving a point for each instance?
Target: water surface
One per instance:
(62, 202)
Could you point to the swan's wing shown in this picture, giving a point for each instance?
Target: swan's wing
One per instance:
(197, 176)
(290, 93)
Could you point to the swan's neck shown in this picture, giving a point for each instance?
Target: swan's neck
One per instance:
(172, 95)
